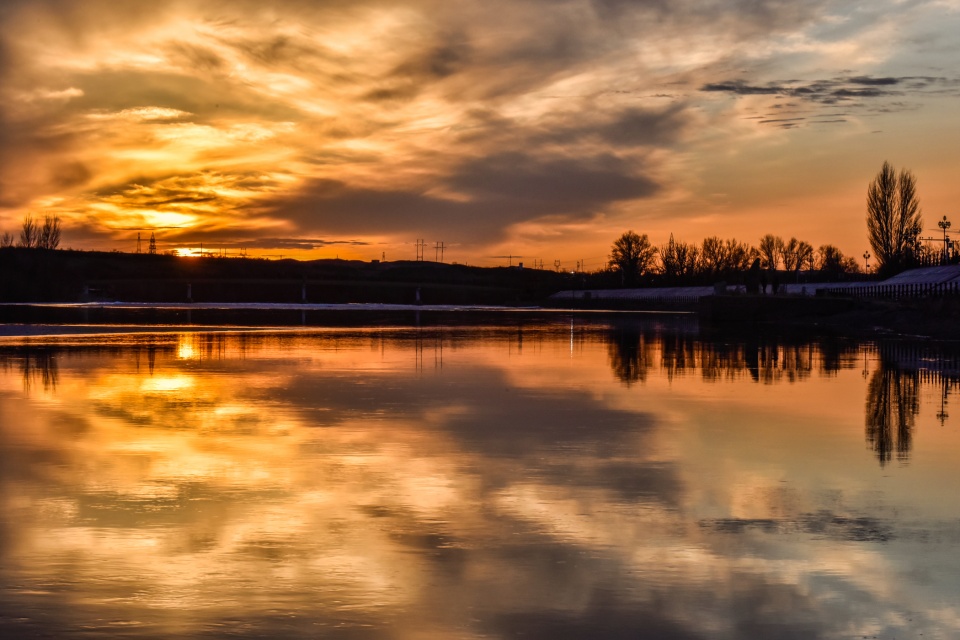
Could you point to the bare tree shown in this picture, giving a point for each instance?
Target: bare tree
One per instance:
(804, 255)
(49, 235)
(677, 259)
(893, 218)
(739, 255)
(790, 262)
(7, 239)
(771, 250)
(832, 260)
(633, 255)
(713, 256)
(719, 257)
(797, 255)
(29, 232)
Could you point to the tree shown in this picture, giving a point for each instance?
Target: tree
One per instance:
(677, 259)
(805, 256)
(740, 255)
(29, 233)
(797, 255)
(893, 218)
(771, 250)
(831, 260)
(633, 255)
(49, 235)
(719, 257)
(713, 256)
(7, 239)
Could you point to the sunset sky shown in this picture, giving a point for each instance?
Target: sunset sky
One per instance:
(529, 128)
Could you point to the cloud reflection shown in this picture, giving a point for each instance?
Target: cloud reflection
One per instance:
(343, 480)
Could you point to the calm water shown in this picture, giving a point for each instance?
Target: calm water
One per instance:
(537, 479)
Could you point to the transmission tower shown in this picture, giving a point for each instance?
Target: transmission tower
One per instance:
(153, 245)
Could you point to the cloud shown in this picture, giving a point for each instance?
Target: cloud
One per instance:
(487, 194)
(832, 90)
(470, 119)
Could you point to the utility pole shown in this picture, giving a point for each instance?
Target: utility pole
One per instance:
(438, 251)
(138, 242)
(420, 246)
(556, 265)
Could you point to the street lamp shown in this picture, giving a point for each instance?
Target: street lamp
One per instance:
(945, 224)
(866, 261)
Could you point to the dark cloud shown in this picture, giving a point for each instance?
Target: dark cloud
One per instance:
(567, 183)
(622, 128)
(875, 94)
(828, 91)
(875, 81)
(294, 243)
(500, 190)
(742, 89)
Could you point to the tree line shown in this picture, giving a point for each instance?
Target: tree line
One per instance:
(635, 258)
(894, 225)
(35, 235)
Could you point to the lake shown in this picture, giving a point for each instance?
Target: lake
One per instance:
(526, 476)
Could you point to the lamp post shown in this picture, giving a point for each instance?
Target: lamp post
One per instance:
(945, 224)
(866, 261)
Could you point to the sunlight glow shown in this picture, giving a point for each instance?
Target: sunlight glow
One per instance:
(167, 383)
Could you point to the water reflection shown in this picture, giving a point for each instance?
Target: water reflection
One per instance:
(525, 480)
(634, 348)
(893, 402)
(37, 367)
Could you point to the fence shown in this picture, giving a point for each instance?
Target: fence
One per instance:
(896, 291)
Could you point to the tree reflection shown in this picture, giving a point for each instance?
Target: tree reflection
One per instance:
(628, 354)
(892, 407)
(767, 361)
(40, 367)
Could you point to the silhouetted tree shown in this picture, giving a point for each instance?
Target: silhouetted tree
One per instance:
(713, 256)
(29, 233)
(797, 255)
(739, 255)
(771, 249)
(677, 259)
(724, 257)
(49, 234)
(831, 260)
(893, 218)
(7, 239)
(805, 256)
(632, 255)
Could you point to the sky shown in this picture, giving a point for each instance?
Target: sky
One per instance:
(535, 129)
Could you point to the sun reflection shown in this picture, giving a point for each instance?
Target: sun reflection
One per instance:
(168, 383)
(185, 350)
